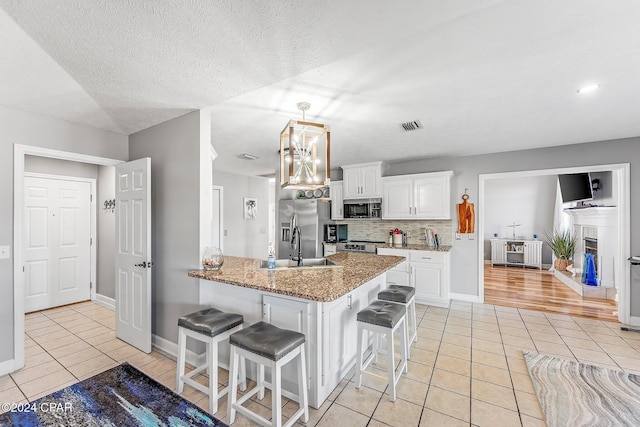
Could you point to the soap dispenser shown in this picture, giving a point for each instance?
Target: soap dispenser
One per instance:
(271, 258)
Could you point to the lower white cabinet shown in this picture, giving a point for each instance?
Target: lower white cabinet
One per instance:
(522, 253)
(427, 271)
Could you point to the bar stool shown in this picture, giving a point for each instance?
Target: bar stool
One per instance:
(267, 345)
(209, 326)
(382, 317)
(405, 295)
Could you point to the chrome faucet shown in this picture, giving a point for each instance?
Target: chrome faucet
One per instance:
(296, 242)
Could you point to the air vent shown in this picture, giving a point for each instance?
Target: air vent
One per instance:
(412, 125)
(247, 156)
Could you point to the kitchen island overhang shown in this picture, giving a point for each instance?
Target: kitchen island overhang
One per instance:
(321, 302)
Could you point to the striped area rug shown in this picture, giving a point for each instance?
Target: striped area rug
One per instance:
(575, 394)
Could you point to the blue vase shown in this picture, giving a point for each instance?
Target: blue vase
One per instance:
(589, 276)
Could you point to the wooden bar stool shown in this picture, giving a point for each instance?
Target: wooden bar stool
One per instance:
(268, 345)
(209, 326)
(382, 317)
(405, 295)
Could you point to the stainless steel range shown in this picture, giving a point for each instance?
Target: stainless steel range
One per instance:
(365, 246)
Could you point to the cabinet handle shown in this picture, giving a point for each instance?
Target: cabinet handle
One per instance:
(349, 301)
(415, 211)
(426, 257)
(409, 210)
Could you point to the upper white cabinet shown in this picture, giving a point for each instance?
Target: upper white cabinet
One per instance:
(419, 196)
(362, 181)
(336, 200)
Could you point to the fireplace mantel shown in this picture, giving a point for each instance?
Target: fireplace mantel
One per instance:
(595, 216)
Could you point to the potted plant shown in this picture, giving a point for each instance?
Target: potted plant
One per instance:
(563, 246)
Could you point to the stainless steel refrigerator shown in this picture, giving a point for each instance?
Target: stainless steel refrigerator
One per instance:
(311, 217)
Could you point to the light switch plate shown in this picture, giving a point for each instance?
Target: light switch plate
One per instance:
(5, 252)
(458, 236)
(471, 236)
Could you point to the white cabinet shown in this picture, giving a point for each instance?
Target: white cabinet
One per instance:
(329, 249)
(289, 313)
(419, 196)
(337, 206)
(339, 331)
(398, 275)
(362, 181)
(524, 253)
(427, 271)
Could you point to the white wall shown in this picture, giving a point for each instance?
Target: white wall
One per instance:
(19, 127)
(106, 274)
(244, 237)
(180, 211)
(59, 167)
(527, 201)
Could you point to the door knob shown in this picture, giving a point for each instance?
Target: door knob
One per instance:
(143, 264)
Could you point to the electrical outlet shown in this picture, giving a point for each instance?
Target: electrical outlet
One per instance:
(458, 236)
(408, 234)
(5, 252)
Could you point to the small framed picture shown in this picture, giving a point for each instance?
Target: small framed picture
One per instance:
(250, 208)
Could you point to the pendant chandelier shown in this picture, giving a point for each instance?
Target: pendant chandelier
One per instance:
(304, 153)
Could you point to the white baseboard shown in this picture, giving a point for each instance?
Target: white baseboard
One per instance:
(464, 297)
(7, 367)
(634, 320)
(105, 301)
(171, 349)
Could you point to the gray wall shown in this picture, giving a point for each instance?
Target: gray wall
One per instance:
(176, 150)
(529, 201)
(464, 275)
(19, 127)
(106, 274)
(244, 237)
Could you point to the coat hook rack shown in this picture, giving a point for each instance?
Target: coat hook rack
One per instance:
(110, 205)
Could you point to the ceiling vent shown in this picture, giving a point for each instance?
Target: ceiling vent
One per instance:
(412, 125)
(247, 156)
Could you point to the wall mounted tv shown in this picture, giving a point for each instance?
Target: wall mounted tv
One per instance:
(575, 187)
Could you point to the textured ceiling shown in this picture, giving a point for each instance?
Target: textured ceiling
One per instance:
(482, 76)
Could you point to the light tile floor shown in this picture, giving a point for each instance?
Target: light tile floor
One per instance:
(466, 369)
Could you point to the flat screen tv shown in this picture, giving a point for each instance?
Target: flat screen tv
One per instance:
(575, 187)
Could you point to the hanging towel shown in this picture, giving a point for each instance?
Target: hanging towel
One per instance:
(466, 216)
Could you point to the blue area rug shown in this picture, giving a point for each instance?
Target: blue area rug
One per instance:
(121, 396)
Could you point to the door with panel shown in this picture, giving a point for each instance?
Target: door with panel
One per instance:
(57, 247)
(397, 198)
(133, 253)
(431, 198)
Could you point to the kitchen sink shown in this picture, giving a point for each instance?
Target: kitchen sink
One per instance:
(306, 263)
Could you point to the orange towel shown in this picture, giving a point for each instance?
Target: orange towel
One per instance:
(466, 216)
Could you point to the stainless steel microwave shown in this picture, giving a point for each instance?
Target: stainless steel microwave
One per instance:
(363, 209)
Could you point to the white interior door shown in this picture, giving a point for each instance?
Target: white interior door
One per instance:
(133, 253)
(57, 246)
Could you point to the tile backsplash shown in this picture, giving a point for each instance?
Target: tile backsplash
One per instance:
(379, 230)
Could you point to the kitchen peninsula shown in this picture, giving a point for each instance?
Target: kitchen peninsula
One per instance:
(321, 302)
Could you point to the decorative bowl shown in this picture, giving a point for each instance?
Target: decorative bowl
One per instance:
(212, 259)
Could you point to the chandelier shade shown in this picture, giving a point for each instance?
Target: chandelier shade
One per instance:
(304, 154)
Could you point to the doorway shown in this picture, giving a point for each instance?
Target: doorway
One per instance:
(621, 173)
(20, 152)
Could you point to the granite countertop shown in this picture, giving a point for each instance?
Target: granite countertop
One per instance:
(314, 284)
(417, 247)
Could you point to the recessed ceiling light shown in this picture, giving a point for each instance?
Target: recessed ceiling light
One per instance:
(247, 156)
(588, 88)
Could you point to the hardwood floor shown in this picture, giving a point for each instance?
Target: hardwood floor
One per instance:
(539, 290)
